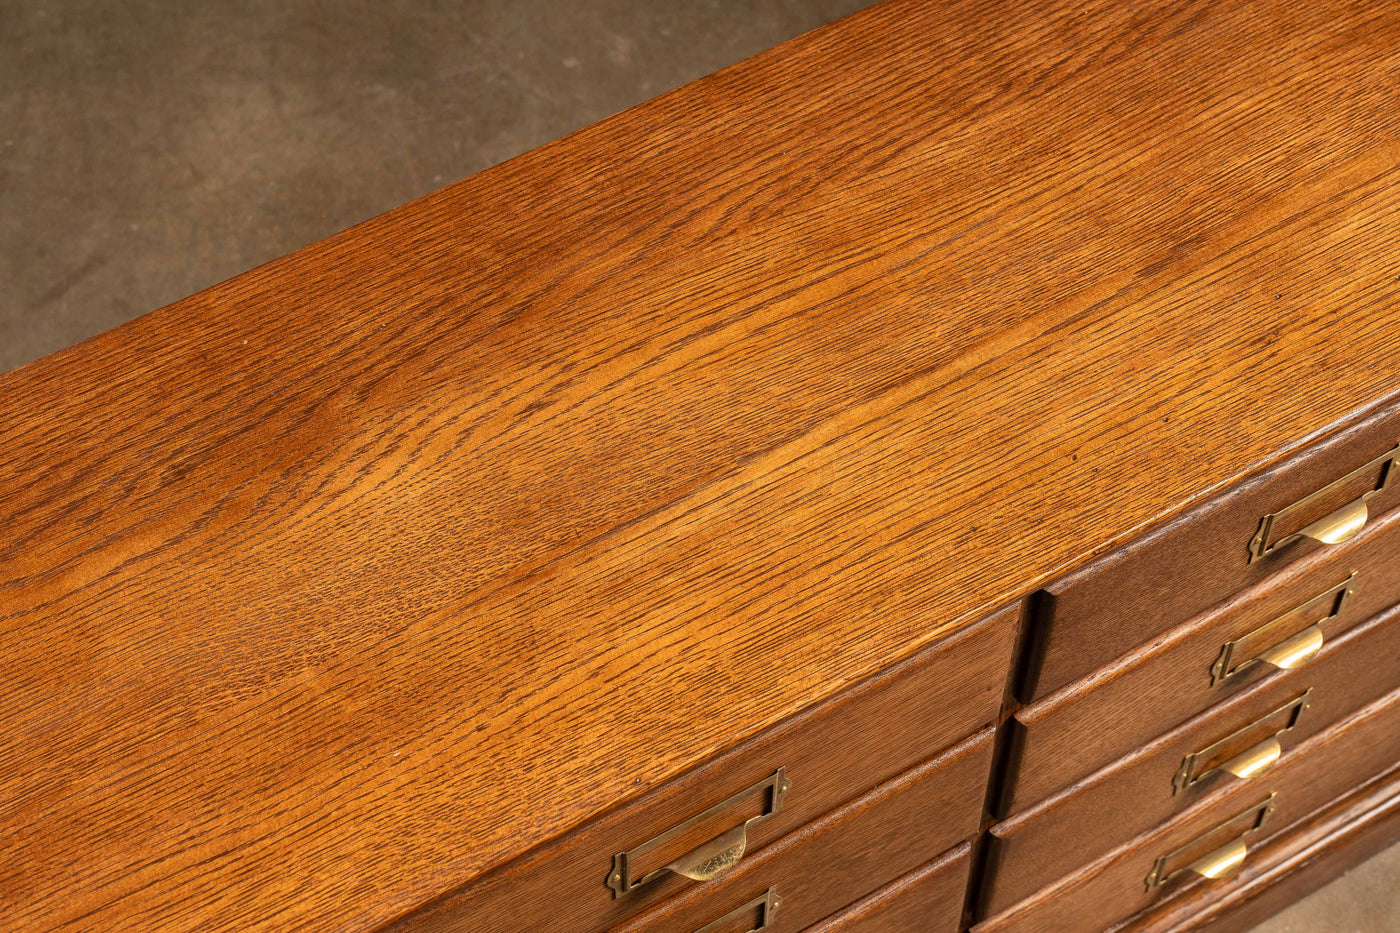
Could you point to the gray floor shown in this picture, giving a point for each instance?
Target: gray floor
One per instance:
(148, 150)
(1364, 900)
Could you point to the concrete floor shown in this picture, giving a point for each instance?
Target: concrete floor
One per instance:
(149, 149)
(1364, 900)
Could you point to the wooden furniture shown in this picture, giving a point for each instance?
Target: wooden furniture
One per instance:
(935, 474)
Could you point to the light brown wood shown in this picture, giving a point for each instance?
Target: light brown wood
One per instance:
(927, 900)
(1124, 599)
(1111, 889)
(831, 755)
(334, 587)
(1289, 866)
(1077, 730)
(1133, 794)
(853, 851)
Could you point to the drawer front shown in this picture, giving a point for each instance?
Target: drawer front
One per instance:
(830, 864)
(829, 754)
(1065, 737)
(927, 900)
(1289, 866)
(1098, 613)
(1179, 769)
(1215, 835)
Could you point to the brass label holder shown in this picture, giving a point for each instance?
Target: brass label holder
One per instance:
(1337, 526)
(1246, 752)
(768, 903)
(1264, 644)
(1216, 853)
(712, 859)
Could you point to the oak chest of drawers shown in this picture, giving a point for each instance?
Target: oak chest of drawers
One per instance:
(941, 474)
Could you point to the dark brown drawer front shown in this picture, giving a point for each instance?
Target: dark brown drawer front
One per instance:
(1154, 866)
(829, 754)
(927, 900)
(1177, 770)
(1074, 732)
(1121, 601)
(830, 864)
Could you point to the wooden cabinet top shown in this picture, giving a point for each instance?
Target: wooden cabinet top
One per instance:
(331, 587)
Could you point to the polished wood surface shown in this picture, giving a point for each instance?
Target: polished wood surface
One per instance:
(847, 854)
(1135, 793)
(927, 900)
(1124, 599)
(1077, 730)
(831, 754)
(338, 585)
(1111, 889)
(1288, 866)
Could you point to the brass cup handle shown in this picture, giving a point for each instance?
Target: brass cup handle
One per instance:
(1217, 853)
(1294, 652)
(1222, 863)
(709, 860)
(1342, 525)
(1254, 761)
(716, 858)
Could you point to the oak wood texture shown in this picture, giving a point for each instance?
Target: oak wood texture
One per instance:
(1133, 794)
(831, 754)
(1288, 866)
(831, 863)
(1122, 600)
(1111, 889)
(334, 587)
(927, 900)
(1076, 730)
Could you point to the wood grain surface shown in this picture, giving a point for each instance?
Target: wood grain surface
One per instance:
(1080, 728)
(1289, 866)
(832, 753)
(1133, 595)
(927, 900)
(334, 586)
(1110, 889)
(848, 854)
(1130, 796)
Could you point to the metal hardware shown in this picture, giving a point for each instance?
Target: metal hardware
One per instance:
(1216, 853)
(711, 859)
(1293, 651)
(1337, 526)
(1244, 753)
(769, 903)
(1254, 761)
(1223, 862)
(1296, 651)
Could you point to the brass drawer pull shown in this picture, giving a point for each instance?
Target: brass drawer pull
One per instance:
(1216, 853)
(766, 906)
(1244, 753)
(1295, 651)
(1222, 863)
(1270, 644)
(709, 860)
(1340, 523)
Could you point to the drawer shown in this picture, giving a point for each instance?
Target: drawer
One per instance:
(1176, 770)
(1153, 866)
(1111, 606)
(1076, 731)
(829, 754)
(1289, 866)
(830, 864)
(927, 900)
